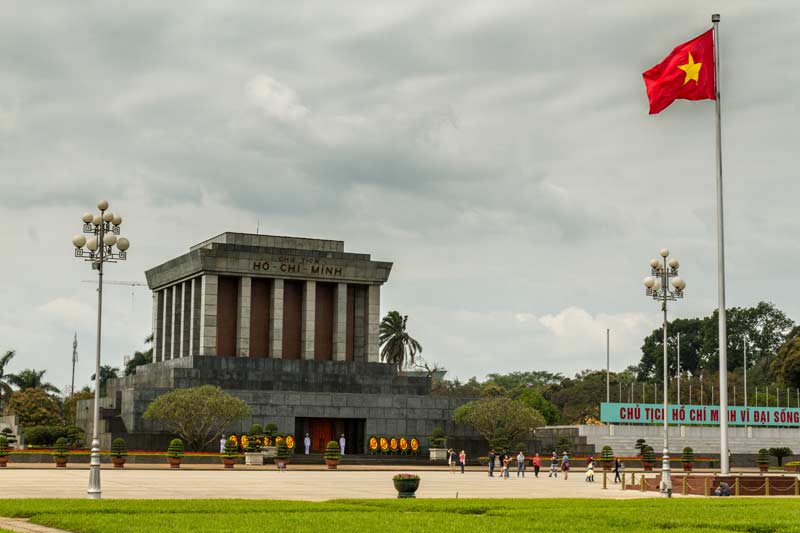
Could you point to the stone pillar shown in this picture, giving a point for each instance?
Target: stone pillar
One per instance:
(243, 319)
(276, 319)
(186, 318)
(340, 322)
(177, 321)
(192, 305)
(166, 345)
(373, 322)
(309, 319)
(157, 326)
(208, 316)
(360, 323)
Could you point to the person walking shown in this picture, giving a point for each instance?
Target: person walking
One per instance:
(307, 443)
(491, 459)
(451, 460)
(565, 465)
(617, 470)
(590, 470)
(520, 464)
(505, 466)
(553, 466)
(537, 464)
(462, 459)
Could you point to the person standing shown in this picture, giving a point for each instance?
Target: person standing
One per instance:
(505, 465)
(307, 443)
(342, 443)
(537, 464)
(520, 464)
(553, 465)
(491, 459)
(462, 459)
(222, 442)
(451, 460)
(565, 465)
(617, 470)
(590, 470)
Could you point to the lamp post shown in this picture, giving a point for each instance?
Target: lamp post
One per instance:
(657, 285)
(104, 230)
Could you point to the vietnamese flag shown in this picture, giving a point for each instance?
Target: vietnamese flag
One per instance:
(687, 73)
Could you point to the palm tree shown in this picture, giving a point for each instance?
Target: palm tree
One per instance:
(31, 379)
(106, 372)
(399, 347)
(5, 385)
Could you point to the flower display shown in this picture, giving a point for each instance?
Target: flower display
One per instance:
(278, 440)
(403, 444)
(234, 439)
(414, 444)
(384, 444)
(267, 441)
(373, 444)
(405, 476)
(290, 441)
(393, 444)
(244, 440)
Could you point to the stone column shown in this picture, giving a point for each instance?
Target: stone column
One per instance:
(177, 325)
(360, 323)
(276, 319)
(156, 327)
(373, 322)
(340, 322)
(186, 318)
(309, 319)
(166, 345)
(243, 320)
(192, 305)
(208, 316)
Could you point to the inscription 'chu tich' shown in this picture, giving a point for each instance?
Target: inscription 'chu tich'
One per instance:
(297, 268)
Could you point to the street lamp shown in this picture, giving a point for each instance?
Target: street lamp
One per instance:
(104, 231)
(657, 285)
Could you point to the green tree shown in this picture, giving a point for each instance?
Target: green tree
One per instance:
(536, 378)
(106, 372)
(71, 405)
(786, 365)
(532, 398)
(398, 347)
(140, 358)
(501, 421)
(198, 414)
(5, 385)
(31, 379)
(34, 407)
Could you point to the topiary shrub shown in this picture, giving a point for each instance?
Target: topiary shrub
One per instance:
(763, 459)
(4, 451)
(780, 453)
(61, 448)
(687, 455)
(607, 454)
(332, 451)
(271, 430)
(175, 449)
(648, 457)
(119, 448)
(256, 429)
(437, 438)
(640, 443)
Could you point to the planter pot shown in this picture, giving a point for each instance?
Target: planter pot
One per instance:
(792, 468)
(3, 461)
(332, 463)
(406, 487)
(174, 462)
(763, 467)
(269, 452)
(687, 467)
(228, 462)
(648, 467)
(606, 466)
(438, 454)
(61, 462)
(119, 462)
(280, 463)
(253, 458)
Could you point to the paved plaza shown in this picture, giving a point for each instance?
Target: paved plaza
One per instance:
(294, 484)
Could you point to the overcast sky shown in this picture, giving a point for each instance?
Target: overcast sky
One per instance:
(499, 153)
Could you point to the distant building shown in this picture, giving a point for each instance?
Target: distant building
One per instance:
(290, 325)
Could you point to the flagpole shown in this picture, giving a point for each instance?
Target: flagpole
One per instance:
(723, 337)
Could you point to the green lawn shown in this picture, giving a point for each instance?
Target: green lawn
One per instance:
(707, 514)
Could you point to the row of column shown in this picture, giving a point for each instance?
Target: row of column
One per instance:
(186, 318)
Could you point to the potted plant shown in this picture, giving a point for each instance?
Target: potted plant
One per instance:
(252, 451)
(60, 451)
(406, 485)
(332, 455)
(4, 451)
(687, 459)
(281, 458)
(763, 460)
(119, 451)
(780, 453)
(437, 445)
(793, 466)
(175, 453)
(229, 454)
(607, 458)
(271, 449)
(648, 458)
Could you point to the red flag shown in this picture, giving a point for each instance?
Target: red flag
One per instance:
(687, 73)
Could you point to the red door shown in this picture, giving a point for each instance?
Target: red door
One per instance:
(321, 433)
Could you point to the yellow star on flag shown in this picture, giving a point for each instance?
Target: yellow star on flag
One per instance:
(691, 69)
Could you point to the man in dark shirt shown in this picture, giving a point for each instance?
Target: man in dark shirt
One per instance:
(491, 458)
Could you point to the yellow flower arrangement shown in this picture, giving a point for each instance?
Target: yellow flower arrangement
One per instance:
(373, 443)
(393, 444)
(384, 444)
(290, 441)
(403, 444)
(414, 444)
(244, 441)
(235, 440)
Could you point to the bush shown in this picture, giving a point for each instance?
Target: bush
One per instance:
(283, 451)
(231, 448)
(48, 435)
(34, 407)
(4, 449)
(640, 443)
(61, 448)
(119, 448)
(332, 451)
(780, 453)
(271, 430)
(437, 438)
(763, 457)
(175, 449)
(256, 429)
(687, 455)
(606, 454)
(648, 454)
